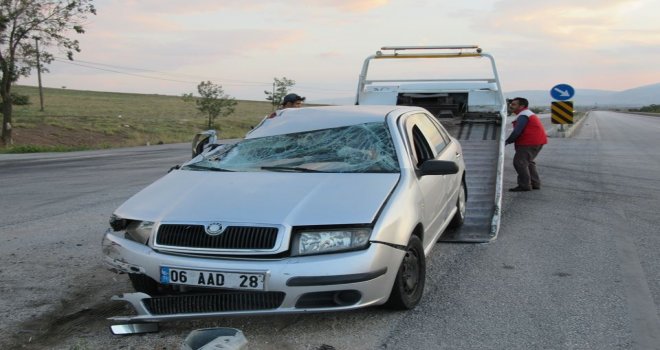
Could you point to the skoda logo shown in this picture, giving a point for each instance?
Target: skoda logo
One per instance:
(214, 228)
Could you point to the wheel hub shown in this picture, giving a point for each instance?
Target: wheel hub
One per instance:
(410, 274)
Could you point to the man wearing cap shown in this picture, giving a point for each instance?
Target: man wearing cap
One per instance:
(289, 101)
(292, 101)
(529, 136)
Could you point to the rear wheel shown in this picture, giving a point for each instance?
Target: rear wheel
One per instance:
(409, 283)
(459, 217)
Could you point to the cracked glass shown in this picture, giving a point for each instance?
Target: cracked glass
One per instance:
(361, 148)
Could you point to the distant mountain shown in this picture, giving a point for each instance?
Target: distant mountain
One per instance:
(636, 97)
(337, 101)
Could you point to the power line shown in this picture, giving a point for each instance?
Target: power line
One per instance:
(125, 73)
(228, 82)
(92, 65)
(62, 59)
(323, 89)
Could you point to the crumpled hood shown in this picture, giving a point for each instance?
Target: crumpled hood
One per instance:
(261, 197)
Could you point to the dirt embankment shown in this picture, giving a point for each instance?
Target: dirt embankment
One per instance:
(50, 135)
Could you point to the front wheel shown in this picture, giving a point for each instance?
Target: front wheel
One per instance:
(409, 283)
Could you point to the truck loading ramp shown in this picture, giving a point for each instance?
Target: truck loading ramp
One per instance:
(480, 142)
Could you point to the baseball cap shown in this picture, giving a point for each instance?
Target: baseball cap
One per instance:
(292, 98)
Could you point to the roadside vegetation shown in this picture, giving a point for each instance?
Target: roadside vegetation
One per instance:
(80, 120)
(25, 24)
(648, 109)
(212, 101)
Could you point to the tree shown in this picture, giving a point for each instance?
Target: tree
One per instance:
(651, 109)
(280, 89)
(213, 101)
(22, 24)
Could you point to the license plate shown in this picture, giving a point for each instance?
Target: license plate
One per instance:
(216, 279)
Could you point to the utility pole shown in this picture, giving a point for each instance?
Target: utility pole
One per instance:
(41, 91)
(273, 96)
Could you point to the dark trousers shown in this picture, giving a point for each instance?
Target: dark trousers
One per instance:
(525, 166)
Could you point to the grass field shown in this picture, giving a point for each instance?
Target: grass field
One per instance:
(74, 120)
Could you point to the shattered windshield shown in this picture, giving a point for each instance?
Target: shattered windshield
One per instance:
(351, 149)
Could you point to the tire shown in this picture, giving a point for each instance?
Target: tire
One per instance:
(459, 217)
(409, 282)
(143, 283)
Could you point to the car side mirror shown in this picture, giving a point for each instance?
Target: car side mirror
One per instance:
(438, 167)
(201, 140)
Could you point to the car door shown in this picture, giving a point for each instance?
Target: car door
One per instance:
(451, 151)
(426, 142)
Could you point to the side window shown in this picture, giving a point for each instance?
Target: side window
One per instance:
(431, 133)
(442, 130)
(422, 149)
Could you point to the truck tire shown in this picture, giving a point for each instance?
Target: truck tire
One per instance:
(459, 217)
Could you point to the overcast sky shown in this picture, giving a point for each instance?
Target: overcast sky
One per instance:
(169, 46)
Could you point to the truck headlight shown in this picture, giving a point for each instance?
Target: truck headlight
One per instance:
(307, 242)
(139, 231)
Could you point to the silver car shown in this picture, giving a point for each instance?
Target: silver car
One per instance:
(320, 209)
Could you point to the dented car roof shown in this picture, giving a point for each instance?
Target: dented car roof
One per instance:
(294, 120)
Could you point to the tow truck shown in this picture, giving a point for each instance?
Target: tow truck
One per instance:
(473, 110)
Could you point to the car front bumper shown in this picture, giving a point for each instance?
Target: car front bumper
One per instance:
(329, 282)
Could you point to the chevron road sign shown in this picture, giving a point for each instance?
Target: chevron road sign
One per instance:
(562, 112)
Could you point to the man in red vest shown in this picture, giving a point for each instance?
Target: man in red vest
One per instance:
(529, 137)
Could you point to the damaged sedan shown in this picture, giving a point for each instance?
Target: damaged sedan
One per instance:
(322, 209)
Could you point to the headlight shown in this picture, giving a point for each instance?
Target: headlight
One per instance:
(326, 241)
(117, 223)
(139, 231)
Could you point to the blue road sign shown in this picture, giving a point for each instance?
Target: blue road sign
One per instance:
(562, 92)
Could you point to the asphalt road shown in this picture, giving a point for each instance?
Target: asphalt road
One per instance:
(576, 264)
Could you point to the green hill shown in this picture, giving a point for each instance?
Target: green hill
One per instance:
(75, 119)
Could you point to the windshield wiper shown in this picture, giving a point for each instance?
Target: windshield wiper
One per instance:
(290, 168)
(199, 167)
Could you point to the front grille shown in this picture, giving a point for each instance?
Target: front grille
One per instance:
(234, 237)
(207, 303)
